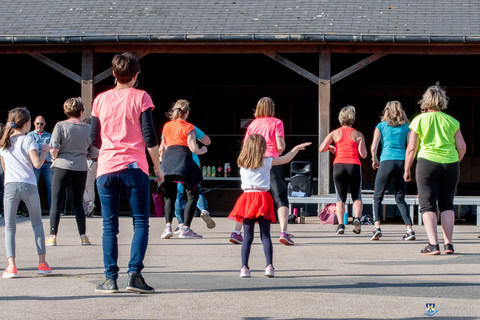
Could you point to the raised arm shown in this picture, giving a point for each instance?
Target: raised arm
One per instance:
(460, 144)
(374, 148)
(193, 146)
(290, 155)
(412, 148)
(39, 160)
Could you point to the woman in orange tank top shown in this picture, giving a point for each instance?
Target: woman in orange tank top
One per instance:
(347, 168)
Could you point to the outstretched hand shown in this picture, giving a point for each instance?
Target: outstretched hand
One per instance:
(302, 146)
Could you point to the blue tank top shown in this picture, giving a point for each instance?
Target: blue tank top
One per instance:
(393, 141)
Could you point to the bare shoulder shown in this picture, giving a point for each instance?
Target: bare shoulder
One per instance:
(336, 134)
(357, 135)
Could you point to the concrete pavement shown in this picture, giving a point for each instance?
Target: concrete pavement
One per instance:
(324, 276)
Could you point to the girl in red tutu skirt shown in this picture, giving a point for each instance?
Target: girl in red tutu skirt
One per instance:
(256, 204)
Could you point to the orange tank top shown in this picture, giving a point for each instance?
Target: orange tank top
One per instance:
(346, 148)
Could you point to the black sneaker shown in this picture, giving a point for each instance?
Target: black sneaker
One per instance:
(431, 249)
(448, 248)
(357, 227)
(340, 229)
(108, 286)
(409, 236)
(136, 283)
(377, 234)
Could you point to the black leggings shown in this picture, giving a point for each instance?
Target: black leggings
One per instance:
(248, 230)
(436, 182)
(386, 171)
(60, 181)
(345, 175)
(171, 196)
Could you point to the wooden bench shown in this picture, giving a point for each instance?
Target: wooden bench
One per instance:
(367, 199)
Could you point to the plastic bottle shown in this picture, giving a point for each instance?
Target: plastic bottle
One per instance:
(229, 170)
(209, 170)
(220, 170)
(213, 172)
(345, 218)
(290, 189)
(302, 216)
(204, 171)
(295, 213)
(225, 169)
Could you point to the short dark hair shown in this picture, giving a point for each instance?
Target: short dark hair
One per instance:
(125, 66)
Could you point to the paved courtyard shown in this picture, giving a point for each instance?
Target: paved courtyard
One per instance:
(324, 276)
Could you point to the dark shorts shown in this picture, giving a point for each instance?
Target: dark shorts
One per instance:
(278, 187)
(345, 175)
(436, 183)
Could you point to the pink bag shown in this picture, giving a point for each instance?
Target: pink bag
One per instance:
(159, 204)
(328, 216)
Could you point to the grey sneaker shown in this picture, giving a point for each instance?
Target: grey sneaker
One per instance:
(409, 236)
(208, 220)
(189, 234)
(377, 234)
(108, 286)
(357, 226)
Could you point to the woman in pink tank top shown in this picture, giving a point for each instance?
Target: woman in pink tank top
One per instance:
(347, 169)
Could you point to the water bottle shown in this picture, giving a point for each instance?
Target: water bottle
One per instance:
(290, 189)
(295, 213)
(345, 218)
(302, 216)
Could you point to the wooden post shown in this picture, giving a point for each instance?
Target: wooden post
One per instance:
(324, 119)
(87, 81)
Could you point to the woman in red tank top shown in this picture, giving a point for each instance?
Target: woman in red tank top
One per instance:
(347, 170)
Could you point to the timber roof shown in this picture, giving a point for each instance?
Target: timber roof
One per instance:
(84, 21)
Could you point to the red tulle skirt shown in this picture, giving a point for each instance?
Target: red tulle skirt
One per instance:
(251, 205)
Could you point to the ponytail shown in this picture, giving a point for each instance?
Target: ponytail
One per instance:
(16, 119)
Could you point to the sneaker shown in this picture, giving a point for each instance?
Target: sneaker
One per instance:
(90, 209)
(270, 271)
(10, 273)
(189, 234)
(108, 286)
(448, 248)
(431, 249)
(44, 269)
(377, 234)
(167, 232)
(245, 272)
(208, 220)
(136, 283)
(357, 226)
(409, 236)
(285, 239)
(236, 238)
(340, 229)
(85, 241)
(51, 241)
(178, 228)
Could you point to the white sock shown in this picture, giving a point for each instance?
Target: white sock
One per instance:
(237, 232)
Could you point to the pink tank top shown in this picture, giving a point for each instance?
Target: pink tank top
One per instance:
(346, 148)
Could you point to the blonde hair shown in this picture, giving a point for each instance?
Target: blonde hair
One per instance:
(73, 107)
(394, 114)
(178, 110)
(347, 115)
(434, 98)
(16, 120)
(265, 108)
(253, 151)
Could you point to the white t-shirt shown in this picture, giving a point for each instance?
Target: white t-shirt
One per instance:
(258, 179)
(18, 165)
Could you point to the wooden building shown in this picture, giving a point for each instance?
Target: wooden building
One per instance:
(312, 57)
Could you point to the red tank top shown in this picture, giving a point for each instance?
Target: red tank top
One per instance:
(346, 148)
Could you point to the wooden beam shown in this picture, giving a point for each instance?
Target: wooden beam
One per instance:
(357, 66)
(87, 81)
(52, 64)
(324, 87)
(107, 73)
(292, 66)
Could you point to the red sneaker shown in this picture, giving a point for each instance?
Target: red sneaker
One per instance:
(44, 269)
(10, 273)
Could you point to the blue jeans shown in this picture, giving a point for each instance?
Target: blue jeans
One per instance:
(180, 202)
(137, 187)
(47, 175)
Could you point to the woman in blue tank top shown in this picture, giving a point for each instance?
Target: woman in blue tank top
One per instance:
(393, 131)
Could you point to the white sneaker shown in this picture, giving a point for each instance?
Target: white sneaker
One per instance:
(167, 233)
(270, 271)
(208, 220)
